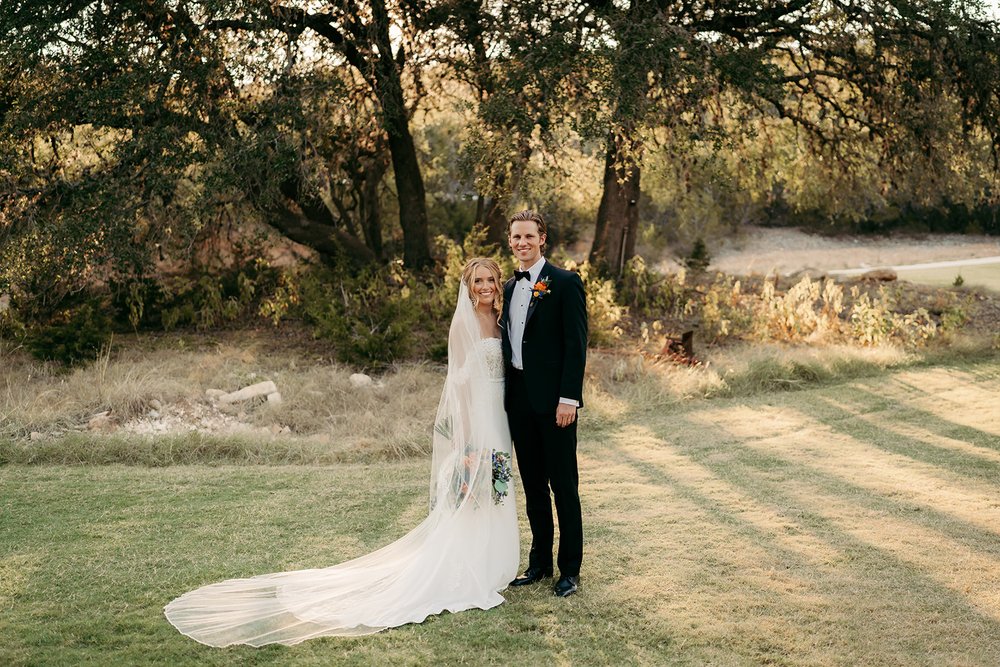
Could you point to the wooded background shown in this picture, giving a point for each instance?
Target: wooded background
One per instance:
(132, 133)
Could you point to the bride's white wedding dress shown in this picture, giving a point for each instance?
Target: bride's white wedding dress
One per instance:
(458, 558)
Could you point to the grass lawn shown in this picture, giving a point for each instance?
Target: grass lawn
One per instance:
(980, 275)
(848, 524)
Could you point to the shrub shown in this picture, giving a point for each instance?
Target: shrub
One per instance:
(11, 326)
(699, 258)
(74, 335)
(649, 294)
(805, 309)
(722, 309)
(283, 300)
(369, 317)
(207, 300)
(875, 321)
(603, 310)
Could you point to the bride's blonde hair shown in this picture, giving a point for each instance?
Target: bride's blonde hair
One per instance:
(469, 275)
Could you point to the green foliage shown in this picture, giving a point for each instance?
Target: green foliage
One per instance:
(75, 335)
(648, 294)
(11, 326)
(212, 299)
(284, 299)
(954, 313)
(604, 312)
(369, 317)
(699, 258)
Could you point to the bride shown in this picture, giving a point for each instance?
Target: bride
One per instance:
(458, 558)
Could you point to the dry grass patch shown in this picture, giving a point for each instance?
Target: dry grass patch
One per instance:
(154, 391)
(158, 395)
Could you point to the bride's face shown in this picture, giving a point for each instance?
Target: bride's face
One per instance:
(484, 286)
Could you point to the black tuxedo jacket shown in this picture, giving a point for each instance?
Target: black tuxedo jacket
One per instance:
(554, 346)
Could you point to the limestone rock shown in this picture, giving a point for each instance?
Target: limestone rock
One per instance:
(274, 399)
(361, 380)
(253, 391)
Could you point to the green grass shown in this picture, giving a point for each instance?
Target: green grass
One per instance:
(850, 523)
(982, 275)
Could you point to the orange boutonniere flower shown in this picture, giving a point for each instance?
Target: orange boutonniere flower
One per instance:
(540, 289)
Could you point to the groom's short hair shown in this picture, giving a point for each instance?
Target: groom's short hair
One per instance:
(531, 216)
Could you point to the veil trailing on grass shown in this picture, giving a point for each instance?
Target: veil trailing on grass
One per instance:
(458, 558)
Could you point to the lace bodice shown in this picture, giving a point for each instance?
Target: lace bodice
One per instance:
(493, 354)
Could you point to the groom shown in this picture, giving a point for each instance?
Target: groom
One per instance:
(544, 329)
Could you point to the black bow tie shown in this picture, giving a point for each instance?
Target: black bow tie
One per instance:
(521, 274)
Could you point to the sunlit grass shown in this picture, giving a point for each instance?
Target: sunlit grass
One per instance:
(979, 275)
(846, 523)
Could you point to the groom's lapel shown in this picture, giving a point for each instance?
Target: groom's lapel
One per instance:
(534, 300)
(508, 292)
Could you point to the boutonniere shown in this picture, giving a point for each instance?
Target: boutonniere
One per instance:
(540, 290)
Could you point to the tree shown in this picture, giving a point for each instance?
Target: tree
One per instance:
(514, 57)
(858, 63)
(664, 66)
(189, 85)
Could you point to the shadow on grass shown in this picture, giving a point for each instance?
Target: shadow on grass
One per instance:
(856, 580)
(857, 425)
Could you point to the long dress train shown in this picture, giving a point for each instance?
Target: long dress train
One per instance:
(458, 558)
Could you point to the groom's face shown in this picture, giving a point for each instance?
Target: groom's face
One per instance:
(525, 241)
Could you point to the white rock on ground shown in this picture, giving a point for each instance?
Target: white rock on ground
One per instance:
(253, 391)
(274, 399)
(361, 380)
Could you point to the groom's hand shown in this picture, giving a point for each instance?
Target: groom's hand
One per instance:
(565, 415)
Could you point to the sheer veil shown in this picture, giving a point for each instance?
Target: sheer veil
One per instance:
(458, 558)
(460, 463)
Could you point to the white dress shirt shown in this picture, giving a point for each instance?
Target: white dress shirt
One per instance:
(518, 313)
(518, 317)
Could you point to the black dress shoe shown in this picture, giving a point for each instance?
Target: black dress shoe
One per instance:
(566, 586)
(532, 575)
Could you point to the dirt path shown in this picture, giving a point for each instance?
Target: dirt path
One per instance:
(766, 250)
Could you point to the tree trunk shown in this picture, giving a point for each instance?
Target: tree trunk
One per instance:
(405, 166)
(371, 222)
(412, 200)
(496, 219)
(618, 214)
